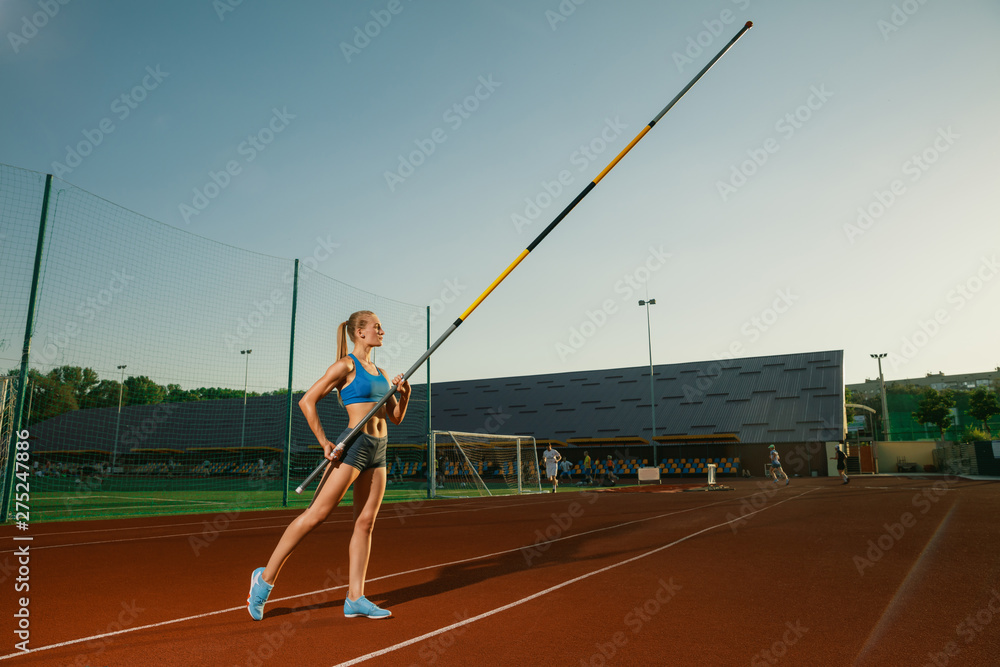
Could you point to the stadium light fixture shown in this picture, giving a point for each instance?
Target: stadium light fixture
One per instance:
(885, 406)
(246, 374)
(118, 422)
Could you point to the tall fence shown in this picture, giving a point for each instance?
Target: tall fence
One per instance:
(904, 427)
(156, 370)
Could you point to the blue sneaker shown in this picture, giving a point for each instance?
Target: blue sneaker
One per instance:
(259, 590)
(364, 607)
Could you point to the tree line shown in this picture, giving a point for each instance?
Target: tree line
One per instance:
(69, 388)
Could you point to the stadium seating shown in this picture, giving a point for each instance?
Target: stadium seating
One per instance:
(696, 466)
(670, 466)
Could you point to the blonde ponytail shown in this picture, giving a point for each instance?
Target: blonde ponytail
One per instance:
(341, 341)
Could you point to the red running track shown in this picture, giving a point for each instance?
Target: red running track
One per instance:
(883, 571)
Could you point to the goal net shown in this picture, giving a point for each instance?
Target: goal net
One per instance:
(8, 399)
(480, 464)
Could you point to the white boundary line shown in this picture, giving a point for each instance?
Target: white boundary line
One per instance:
(232, 530)
(250, 511)
(47, 513)
(149, 526)
(63, 499)
(133, 539)
(389, 576)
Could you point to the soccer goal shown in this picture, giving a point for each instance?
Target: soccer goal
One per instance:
(480, 464)
(8, 400)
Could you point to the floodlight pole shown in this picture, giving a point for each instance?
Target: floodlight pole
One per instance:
(118, 421)
(885, 406)
(246, 374)
(652, 391)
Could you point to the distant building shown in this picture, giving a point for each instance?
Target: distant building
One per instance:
(938, 381)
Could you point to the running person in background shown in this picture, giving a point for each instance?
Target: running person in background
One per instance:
(609, 478)
(552, 459)
(359, 384)
(776, 465)
(588, 472)
(841, 463)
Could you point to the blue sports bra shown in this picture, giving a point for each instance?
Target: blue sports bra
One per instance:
(365, 387)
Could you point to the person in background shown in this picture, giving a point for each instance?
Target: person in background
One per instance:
(841, 463)
(566, 469)
(610, 478)
(552, 458)
(776, 465)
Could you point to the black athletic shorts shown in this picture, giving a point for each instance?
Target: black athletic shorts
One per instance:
(365, 452)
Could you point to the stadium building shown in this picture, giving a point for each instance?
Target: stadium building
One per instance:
(727, 409)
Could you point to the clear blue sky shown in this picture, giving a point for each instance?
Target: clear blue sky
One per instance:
(889, 107)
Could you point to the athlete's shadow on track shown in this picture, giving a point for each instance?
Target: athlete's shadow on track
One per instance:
(335, 601)
(460, 575)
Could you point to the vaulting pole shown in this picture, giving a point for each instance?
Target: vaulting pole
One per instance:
(350, 437)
